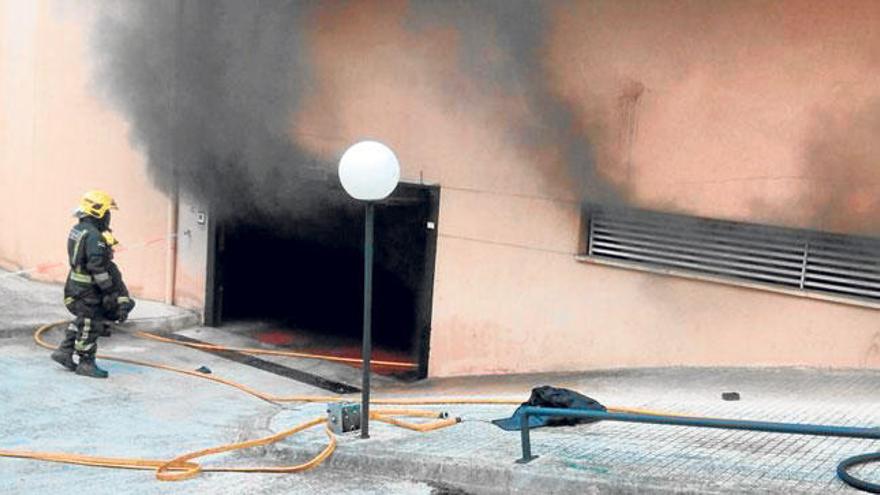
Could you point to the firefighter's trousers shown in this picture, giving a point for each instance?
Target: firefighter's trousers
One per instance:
(83, 332)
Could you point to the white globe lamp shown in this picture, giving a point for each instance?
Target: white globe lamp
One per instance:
(369, 171)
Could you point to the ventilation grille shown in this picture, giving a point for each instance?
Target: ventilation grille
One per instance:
(843, 265)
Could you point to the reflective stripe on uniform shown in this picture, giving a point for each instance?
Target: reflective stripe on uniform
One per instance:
(82, 344)
(83, 347)
(81, 278)
(103, 280)
(68, 301)
(79, 241)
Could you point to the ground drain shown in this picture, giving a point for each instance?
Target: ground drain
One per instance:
(278, 369)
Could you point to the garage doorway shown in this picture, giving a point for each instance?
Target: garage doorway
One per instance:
(300, 279)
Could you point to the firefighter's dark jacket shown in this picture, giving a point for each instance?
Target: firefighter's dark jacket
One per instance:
(93, 275)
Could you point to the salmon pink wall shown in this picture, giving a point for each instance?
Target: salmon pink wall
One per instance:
(759, 111)
(763, 111)
(58, 140)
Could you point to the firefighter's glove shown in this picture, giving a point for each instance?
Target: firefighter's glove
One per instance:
(109, 304)
(125, 305)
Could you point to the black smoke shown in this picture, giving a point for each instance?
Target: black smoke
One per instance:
(504, 47)
(208, 88)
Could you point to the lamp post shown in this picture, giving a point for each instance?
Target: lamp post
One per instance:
(369, 171)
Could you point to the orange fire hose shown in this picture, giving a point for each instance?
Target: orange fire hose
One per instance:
(182, 467)
(251, 350)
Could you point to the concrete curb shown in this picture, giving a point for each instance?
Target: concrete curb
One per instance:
(482, 478)
(159, 325)
(164, 324)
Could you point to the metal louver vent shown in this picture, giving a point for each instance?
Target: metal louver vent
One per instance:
(838, 264)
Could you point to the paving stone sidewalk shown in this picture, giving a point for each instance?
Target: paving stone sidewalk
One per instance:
(614, 457)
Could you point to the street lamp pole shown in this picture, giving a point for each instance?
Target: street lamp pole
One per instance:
(369, 171)
(367, 351)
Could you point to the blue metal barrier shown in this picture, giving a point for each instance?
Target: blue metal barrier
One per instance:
(727, 424)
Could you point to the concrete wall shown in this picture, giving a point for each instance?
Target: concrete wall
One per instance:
(764, 111)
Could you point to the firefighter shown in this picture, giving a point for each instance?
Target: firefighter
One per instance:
(94, 291)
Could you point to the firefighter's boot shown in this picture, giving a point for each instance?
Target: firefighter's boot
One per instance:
(64, 354)
(88, 367)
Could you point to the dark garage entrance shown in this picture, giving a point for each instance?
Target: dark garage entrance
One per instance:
(302, 276)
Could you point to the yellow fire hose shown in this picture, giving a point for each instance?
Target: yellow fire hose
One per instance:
(182, 467)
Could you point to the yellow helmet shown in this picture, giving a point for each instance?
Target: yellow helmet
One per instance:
(96, 204)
